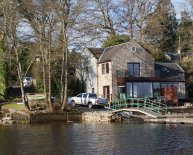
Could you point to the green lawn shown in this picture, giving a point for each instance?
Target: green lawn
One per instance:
(14, 106)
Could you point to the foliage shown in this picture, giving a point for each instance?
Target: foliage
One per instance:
(3, 71)
(187, 65)
(115, 40)
(161, 26)
(184, 32)
(154, 51)
(59, 25)
(74, 87)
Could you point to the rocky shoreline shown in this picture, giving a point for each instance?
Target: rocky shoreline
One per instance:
(182, 115)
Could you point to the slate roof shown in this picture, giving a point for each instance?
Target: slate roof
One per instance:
(106, 54)
(169, 71)
(110, 52)
(97, 52)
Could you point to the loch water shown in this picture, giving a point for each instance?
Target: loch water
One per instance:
(127, 138)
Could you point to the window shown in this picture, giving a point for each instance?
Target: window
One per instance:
(156, 89)
(79, 95)
(92, 96)
(92, 90)
(129, 89)
(133, 49)
(147, 89)
(105, 68)
(133, 69)
(84, 95)
(139, 89)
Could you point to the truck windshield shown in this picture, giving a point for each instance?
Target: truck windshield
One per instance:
(79, 95)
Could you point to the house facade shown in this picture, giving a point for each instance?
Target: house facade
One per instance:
(128, 69)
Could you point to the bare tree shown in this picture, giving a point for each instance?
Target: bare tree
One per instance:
(67, 14)
(99, 19)
(144, 7)
(126, 9)
(43, 21)
(63, 13)
(10, 28)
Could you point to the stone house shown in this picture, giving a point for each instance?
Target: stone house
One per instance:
(129, 70)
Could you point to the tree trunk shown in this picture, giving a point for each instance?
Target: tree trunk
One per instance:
(131, 26)
(64, 78)
(49, 73)
(141, 28)
(24, 100)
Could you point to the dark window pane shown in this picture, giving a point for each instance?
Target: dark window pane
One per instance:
(129, 89)
(103, 68)
(92, 95)
(137, 89)
(134, 69)
(79, 95)
(147, 89)
(85, 95)
(107, 67)
(156, 89)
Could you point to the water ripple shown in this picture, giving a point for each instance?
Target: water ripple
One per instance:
(96, 139)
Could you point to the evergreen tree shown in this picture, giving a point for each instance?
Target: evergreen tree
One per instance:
(115, 40)
(184, 36)
(161, 26)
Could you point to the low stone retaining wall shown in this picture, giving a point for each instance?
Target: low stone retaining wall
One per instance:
(96, 116)
(99, 116)
(57, 117)
(38, 117)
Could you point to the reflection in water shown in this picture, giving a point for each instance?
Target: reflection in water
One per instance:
(96, 139)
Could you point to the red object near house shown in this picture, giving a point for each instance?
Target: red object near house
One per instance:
(120, 81)
(170, 95)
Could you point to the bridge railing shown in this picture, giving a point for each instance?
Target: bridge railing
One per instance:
(145, 104)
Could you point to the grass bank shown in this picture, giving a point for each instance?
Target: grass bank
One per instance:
(13, 106)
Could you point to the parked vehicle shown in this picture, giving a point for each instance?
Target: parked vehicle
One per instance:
(27, 81)
(88, 99)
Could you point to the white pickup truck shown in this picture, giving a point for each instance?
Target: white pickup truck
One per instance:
(88, 99)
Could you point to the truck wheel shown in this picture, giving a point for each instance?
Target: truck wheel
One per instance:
(89, 105)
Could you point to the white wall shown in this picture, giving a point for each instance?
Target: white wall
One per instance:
(91, 77)
(104, 79)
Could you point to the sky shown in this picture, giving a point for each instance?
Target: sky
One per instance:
(180, 5)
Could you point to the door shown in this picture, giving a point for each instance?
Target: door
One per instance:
(79, 99)
(84, 98)
(106, 92)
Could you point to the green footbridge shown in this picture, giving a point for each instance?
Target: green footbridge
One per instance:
(145, 106)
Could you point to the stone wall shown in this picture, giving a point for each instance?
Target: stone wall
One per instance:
(39, 117)
(59, 117)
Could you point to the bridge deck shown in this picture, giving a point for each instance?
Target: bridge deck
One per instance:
(135, 110)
